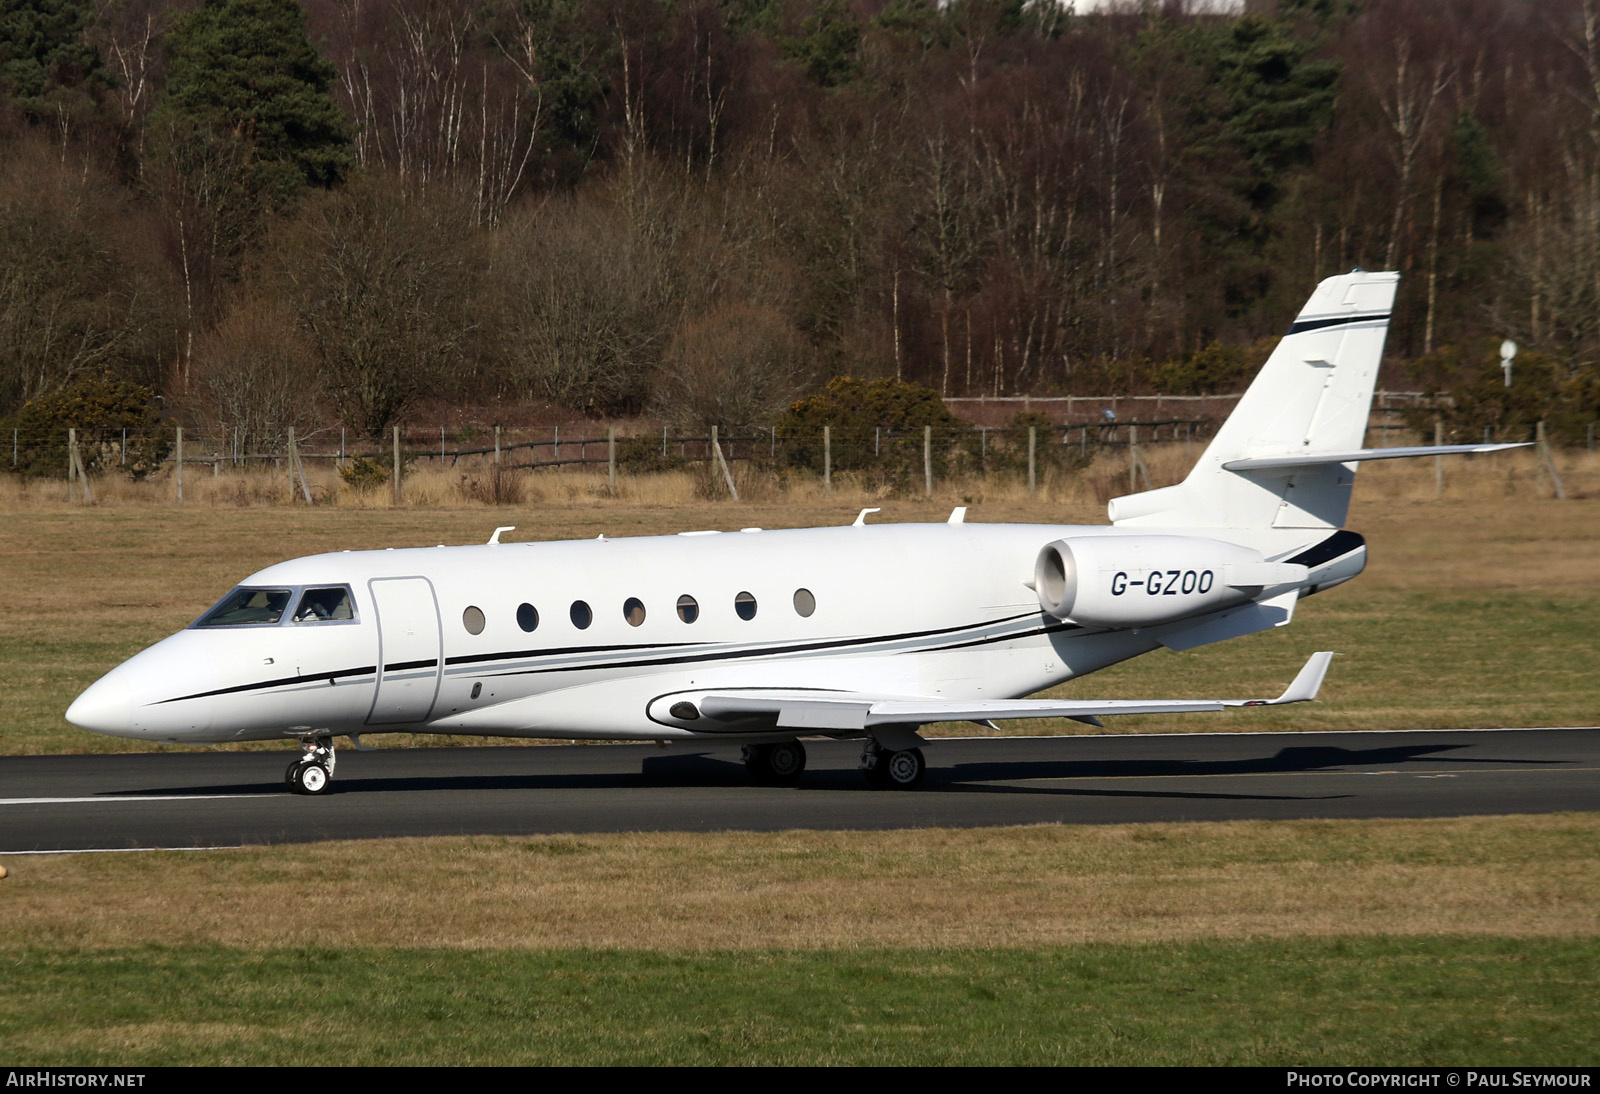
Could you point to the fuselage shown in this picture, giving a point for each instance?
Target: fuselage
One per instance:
(576, 639)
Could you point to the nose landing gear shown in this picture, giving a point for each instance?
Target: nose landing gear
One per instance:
(311, 773)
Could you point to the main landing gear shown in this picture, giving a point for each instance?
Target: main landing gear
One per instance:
(886, 768)
(313, 771)
(899, 769)
(776, 763)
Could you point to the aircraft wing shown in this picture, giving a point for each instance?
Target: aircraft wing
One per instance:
(824, 710)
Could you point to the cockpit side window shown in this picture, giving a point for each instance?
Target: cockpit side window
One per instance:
(324, 606)
(247, 606)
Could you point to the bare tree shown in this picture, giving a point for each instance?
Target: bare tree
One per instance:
(383, 289)
(586, 308)
(254, 376)
(733, 367)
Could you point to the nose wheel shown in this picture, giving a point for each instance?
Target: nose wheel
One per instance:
(313, 771)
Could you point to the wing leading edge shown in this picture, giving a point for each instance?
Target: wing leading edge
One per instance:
(833, 711)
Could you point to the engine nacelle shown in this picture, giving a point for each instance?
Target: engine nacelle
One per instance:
(1140, 581)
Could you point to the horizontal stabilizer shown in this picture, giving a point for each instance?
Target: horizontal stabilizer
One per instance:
(1357, 455)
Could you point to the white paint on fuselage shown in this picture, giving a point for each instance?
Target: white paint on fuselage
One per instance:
(918, 610)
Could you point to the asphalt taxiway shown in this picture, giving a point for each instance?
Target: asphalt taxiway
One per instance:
(221, 798)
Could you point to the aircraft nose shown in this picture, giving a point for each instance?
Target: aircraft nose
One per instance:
(106, 707)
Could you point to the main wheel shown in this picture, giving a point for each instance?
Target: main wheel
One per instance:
(310, 778)
(786, 761)
(875, 768)
(779, 763)
(755, 761)
(903, 770)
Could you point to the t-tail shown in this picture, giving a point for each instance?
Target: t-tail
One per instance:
(1286, 456)
(1273, 487)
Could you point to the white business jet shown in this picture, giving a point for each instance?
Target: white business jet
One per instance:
(759, 638)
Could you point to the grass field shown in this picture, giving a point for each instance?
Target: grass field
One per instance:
(1373, 942)
(1384, 942)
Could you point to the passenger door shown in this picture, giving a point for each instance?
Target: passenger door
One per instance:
(410, 650)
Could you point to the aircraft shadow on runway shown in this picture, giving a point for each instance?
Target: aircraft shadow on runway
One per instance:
(718, 770)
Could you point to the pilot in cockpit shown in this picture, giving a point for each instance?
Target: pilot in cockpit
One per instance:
(318, 605)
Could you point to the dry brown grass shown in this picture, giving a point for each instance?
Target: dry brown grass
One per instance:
(471, 484)
(1021, 887)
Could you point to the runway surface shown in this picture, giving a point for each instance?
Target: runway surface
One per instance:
(219, 799)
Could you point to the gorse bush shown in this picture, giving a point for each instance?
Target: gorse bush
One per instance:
(107, 414)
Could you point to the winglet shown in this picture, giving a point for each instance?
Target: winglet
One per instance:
(1302, 689)
(1305, 686)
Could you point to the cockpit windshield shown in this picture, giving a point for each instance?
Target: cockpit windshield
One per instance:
(324, 605)
(247, 606)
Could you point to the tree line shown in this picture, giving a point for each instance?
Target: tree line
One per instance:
(272, 212)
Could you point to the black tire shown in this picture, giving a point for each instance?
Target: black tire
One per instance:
(877, 775)
(775, 764)
(786, 761)
(755, 761)
(904, 770)
(310, 778)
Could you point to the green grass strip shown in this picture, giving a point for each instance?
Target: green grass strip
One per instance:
(1392, 1001)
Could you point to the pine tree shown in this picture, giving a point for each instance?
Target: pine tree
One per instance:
(245, 70)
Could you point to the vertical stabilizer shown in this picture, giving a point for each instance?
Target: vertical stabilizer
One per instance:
(1312, 396)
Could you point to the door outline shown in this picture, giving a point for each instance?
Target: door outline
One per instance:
(409, 629)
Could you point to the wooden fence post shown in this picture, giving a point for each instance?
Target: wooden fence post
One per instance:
(1136, 466)
(827, 458)
(611, 460)
(722, 461)
(927, 460)
(1133, 458)
(1438, 461)
(1547, 463)
(180, 463)
(397, 465)
(297, 468)
(1033, 444)
(76, 455)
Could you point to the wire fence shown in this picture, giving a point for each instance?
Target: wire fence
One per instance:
(967, 448)
(906, 458)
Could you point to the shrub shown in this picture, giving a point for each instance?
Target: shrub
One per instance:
(362, 474)
(877, 427)
(103, 410)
